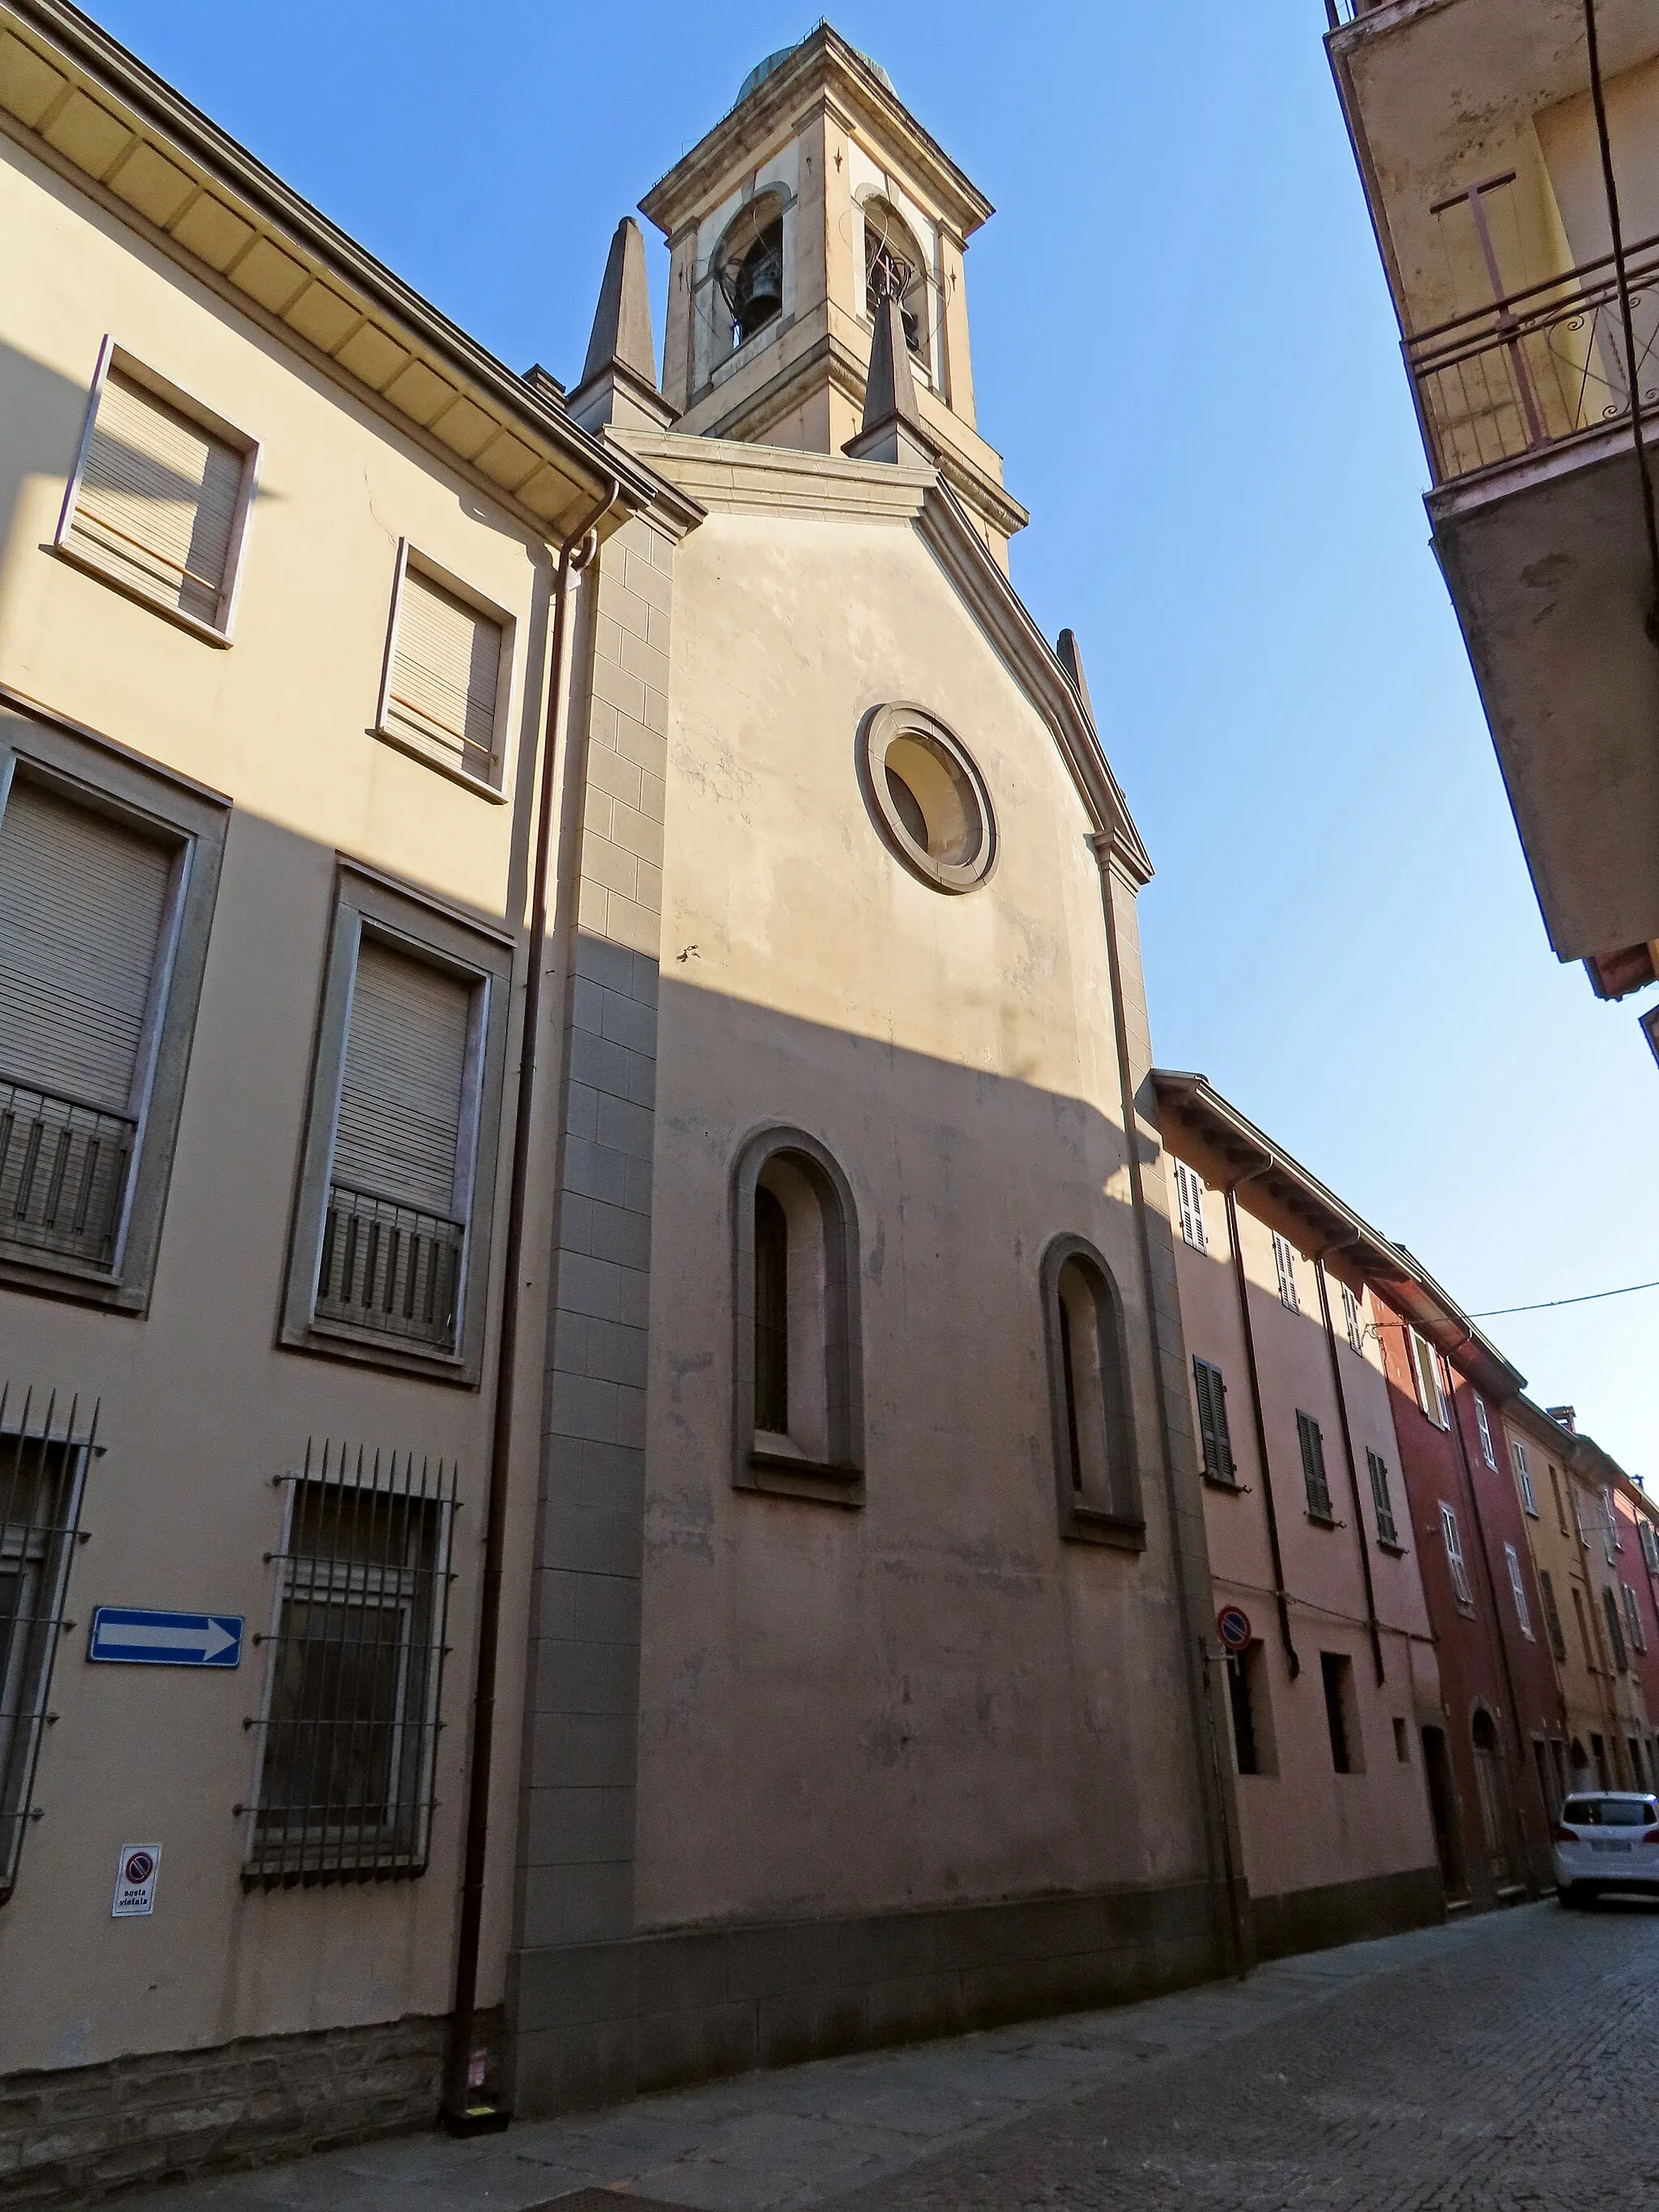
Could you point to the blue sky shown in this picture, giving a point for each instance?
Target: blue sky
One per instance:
(1183, 346)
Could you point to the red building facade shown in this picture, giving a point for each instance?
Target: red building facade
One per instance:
(1488, 1767)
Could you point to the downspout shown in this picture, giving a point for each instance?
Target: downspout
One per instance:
(1348, 1454)
(1211, 1792)
(457, 2112)
(1522, 1760)
(1280, 1599)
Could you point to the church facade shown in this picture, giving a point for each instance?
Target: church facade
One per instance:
(652, 1370)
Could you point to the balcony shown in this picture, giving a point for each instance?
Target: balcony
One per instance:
(64, 1172)
(389, 1269)
(1536, 369)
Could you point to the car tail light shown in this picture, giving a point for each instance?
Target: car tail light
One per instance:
(1564, 1834)
(1648, 1836)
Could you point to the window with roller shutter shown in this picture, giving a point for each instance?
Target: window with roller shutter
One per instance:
(392, 1213)
(108, 871)
(444, 696)
(86, 900)
(158, 503)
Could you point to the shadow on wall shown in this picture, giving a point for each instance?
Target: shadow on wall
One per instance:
(934, 1697)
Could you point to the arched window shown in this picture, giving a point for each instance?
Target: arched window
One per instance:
(748, 270)
(894, 266)
(1094, 1438)
(798, 1403)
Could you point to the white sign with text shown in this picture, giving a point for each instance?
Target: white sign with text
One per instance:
(135, 1880)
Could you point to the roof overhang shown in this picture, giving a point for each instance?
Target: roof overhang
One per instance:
(822, 62)
(95, 113)
(1200, 1126)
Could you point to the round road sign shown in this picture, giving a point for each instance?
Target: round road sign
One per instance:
(1232, 1625)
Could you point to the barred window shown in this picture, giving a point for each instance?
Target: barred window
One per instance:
(43, 1463)
(349, 1735)
(1388, 1530)
(1313, 1467)
(1213, 1437)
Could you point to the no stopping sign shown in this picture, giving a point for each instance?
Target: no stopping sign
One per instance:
(1232, 1625)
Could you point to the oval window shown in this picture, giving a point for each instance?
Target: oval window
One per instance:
(929, 797)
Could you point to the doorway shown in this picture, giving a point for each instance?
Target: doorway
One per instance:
(1437, 1769)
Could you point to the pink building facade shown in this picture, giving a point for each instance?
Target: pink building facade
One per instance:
(1312, 1551)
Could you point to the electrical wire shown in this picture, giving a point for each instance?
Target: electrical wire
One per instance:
(1585, 1299)
(1650, 521)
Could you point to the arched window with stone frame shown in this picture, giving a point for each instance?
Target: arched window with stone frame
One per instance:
(798, 1395)
(895, 263)
(1096, 1477)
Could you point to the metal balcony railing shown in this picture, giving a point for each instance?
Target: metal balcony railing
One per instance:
(63, 1168)
(390, 1268)
(1537, 367)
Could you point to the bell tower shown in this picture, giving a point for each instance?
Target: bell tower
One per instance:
(816, 198)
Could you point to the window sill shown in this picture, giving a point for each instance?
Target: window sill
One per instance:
(207, 632)
(1394, 1551)
(475, 784)
(1093, 1524)
(363, 1347)
(56, 1275)
(1225, 1483)
(1325, 1520)
(782, 1470)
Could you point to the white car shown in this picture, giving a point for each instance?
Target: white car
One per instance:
(1607, 1840)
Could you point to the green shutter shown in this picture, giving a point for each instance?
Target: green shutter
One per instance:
(1313, 1466)
(1214, 1440)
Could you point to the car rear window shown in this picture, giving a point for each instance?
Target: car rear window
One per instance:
(1609, 1812)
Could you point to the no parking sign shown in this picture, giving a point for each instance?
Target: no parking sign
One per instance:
(1232, 1625)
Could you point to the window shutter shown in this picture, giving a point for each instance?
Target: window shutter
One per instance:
(445, 678)
(157, 501)
(1313, 1466)
(1386, 1529)
(401, 1091)
(82, 901)
(1216, 1442)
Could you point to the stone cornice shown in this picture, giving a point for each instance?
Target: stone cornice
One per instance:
(822, 61)
(96, 115)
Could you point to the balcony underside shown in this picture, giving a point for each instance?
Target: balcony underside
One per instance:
(1548, 567)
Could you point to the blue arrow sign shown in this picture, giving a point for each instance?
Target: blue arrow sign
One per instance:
(137, 1637)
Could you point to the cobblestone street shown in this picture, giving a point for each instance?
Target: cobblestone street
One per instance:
(1504, 2062)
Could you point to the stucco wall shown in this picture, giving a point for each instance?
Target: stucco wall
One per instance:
(199, 1410)
(930, 1698)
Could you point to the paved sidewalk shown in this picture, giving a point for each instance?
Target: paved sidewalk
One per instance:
(1510, 2061)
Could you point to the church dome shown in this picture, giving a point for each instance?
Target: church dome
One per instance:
(763, 69)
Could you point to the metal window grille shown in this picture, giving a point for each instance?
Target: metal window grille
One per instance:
(62, 1173)
(1386, 1529)
(348, 1740)
(43, 1464)
(1313, 1466)
(390, 1268)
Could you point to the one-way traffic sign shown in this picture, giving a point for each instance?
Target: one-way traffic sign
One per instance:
(142, 1637)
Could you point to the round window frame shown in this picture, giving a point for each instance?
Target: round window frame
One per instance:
(904, 718)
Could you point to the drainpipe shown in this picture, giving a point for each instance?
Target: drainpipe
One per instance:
(1522, 1761)
(1348, 1454)
(459, 2113)
(1250, 1369)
